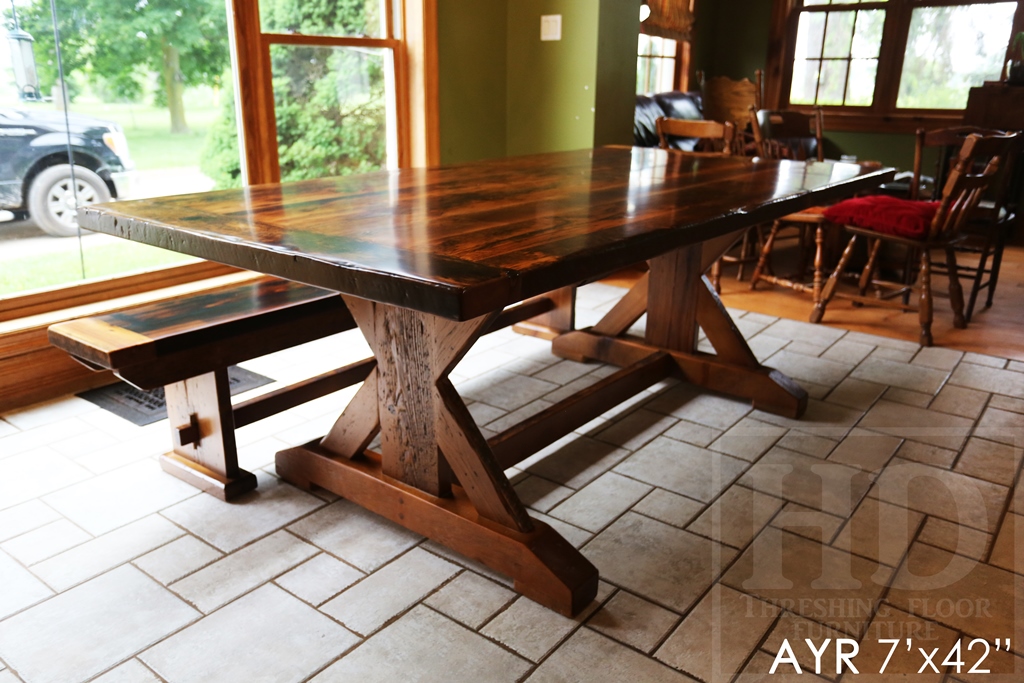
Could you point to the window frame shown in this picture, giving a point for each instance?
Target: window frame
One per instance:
(882, 115)
(677, 61)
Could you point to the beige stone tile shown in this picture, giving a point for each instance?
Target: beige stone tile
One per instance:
(696, 404)
(682, 468)
(864, 449)
(124, 495)
(895, 624)
(937, 357)
(883, 342)
(798, 630)
(44, 542)
(806, 332)
(589, 657)
(691, 432)
(822, 419)
(903, 375)
(423, 640)
(228, 526)
(856, 393)
(927, 454)
(821, 583)
(389, 591)
(20, 587)
(513, 418)
(473, 565)
(42, 414)
(505, 390)
(6, 428)
(541, 494)
(1008, 551)
(989, 460)
(982, 359)
(267, 635)
(910, 398)
(879, 531)
(898, 355)
(243, 570)
(19, 519)
(807, 368)
(736, 517)
(958, 539)
(572, 533)
(748, 439)
(960, 401)
(813, 524)
(33, 474)
(356, 535)
(656, 561)
(319, 579)
(956, 591)
(598, 503)
(1014, 405)
(718, 635)
(1002, 426)
(178, 558)
(132, 671)
(949, 495)
(669, 507)
(106, 552)
(564, 371)
(106, 620)
(826, 486)
(636, 429)
(808, 444)
(576, 461)
(758, 670)
(470, 599)
(633, 621)
(926, 426)
(805, 348)
(848, 352)
(984, 378)
(764, 346)
(529, 629)
(817, 392)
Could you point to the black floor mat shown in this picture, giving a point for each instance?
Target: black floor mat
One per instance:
(145, 407)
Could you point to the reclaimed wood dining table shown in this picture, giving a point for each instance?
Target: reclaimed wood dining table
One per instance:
(427, 260)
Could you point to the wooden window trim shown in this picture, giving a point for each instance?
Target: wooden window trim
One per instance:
(882, 116)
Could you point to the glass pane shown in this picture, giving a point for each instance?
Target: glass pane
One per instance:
(810, 34)
(666, 74)
(861, 90)
(643, 46)
(668, 48)
(331, 106)
(805, 81)
(833, 81)
(839, 34)
(347, 18)
(808, 3)
(868, 37)
(951, 49)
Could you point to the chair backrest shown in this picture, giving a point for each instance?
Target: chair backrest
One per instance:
(717, 136)
(787, 134)
(727, 100)
(966, 183)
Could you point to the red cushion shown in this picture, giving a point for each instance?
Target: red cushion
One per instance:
(884, 214)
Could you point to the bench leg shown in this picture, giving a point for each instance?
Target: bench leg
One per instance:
(203, 434)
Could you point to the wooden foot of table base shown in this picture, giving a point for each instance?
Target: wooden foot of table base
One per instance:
(546, 568)
(766, 388)
(207, 480)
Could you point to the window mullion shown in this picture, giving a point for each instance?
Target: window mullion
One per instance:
(890, 55)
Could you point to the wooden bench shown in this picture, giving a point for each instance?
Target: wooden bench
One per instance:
(186, 346)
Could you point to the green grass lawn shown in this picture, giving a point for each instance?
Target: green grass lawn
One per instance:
(28, 273)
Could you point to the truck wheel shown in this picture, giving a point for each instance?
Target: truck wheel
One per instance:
(51, 201)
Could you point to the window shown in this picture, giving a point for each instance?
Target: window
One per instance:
(887, 59)
(655, 64)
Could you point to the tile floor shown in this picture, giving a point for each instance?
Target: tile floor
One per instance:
(722, 533)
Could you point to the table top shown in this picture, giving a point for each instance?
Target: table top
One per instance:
(464, 240)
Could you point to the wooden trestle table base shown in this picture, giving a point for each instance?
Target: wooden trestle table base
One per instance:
(427, 261)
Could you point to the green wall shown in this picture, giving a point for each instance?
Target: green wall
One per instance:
(502, 91)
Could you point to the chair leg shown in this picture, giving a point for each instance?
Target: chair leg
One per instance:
(716, 275)
(869, 267)
(997, 260)
(956, 292)
(744, 250)
(762, 262)
(979, 273)
(924, 310)
(819, 246)
(830, 287)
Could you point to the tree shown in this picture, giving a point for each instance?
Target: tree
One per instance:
(122, 43)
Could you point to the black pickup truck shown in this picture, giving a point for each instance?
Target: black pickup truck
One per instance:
(36, 178)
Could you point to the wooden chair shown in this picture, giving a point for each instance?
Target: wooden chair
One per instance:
(791, 135)
(713, 137)
(874, 218)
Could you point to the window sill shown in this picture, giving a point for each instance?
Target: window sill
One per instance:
(857, 122)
